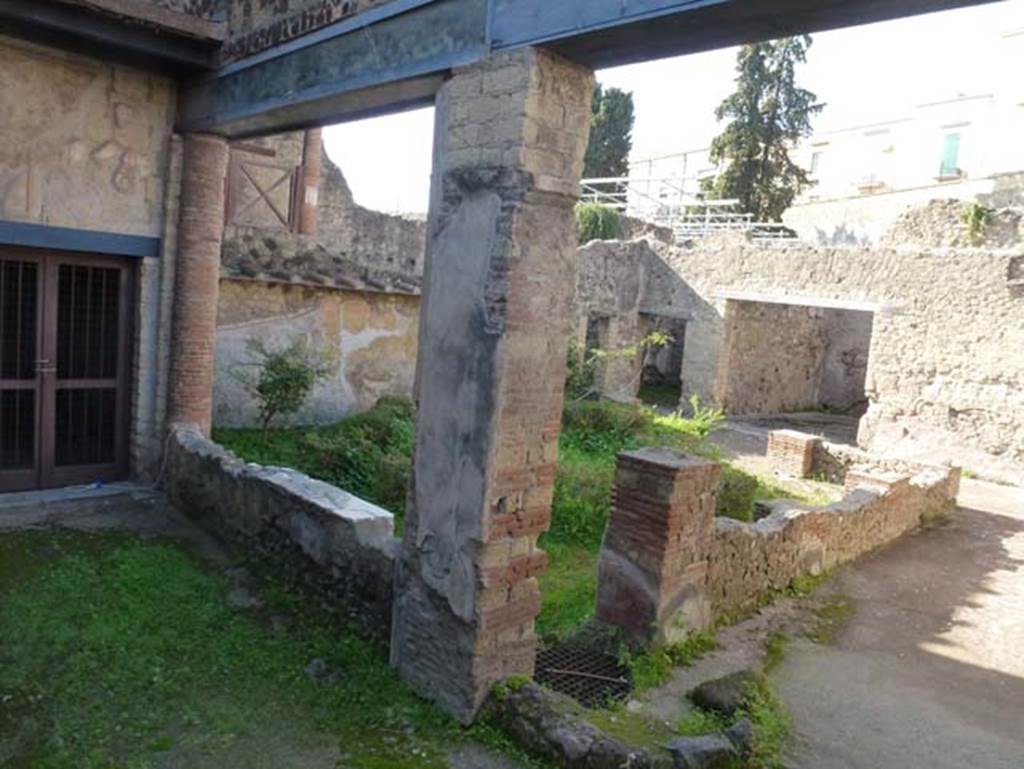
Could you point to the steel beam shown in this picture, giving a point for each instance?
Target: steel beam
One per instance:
(136, 42)
(395, 55)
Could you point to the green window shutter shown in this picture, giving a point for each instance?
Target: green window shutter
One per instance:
(950, 155)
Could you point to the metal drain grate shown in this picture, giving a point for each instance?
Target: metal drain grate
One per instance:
(590, 677)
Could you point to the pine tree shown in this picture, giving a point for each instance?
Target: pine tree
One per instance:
(611, 134)
(768, 114)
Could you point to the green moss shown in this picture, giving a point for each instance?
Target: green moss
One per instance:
(653, 667)
(666, 396)
(631, 728)
(831, 618)
(774, 651)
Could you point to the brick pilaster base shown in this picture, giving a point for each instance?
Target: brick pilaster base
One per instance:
(653, 565)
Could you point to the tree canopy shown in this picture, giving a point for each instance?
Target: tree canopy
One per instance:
(768, 114)
(611, 134)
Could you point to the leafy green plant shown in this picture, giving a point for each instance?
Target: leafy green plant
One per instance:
(281, 379)
(976, 217)
(597, 222)
(579, 372)
(704, 419)
(581, 366)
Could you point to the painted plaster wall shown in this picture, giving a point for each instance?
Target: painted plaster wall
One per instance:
(86, 144)
(372, 337)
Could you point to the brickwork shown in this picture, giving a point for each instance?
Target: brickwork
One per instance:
(197, 274)
(792, 452)
(510, 139)
(654, 557)
(669, 567)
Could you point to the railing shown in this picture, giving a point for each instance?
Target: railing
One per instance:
(666, 202)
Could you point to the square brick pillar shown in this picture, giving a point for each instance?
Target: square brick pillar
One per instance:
(197, 279)
(495, 321)
(792, 452)
(652, 570)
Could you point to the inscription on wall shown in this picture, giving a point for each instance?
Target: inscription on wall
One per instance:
(260, 24)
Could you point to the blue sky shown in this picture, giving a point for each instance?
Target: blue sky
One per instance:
(863, 74)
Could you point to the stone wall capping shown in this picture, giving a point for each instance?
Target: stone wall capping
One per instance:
(281, 513)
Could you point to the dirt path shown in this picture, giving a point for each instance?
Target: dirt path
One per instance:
(929, 672)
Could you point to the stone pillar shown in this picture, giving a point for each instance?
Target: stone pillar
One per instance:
(652, 572)
(792, 452)
(494, 329)
(312, 170)
(196, 279)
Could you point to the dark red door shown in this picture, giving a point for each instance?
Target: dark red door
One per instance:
(64, 349)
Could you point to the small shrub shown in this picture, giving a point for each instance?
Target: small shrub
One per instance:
(282, 379)
(976, 217)
(597, 222)
(579, 372)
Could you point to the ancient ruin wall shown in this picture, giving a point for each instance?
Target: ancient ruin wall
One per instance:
(370, 336)
(342, 545)
(747, 560)
(772, 358)
(945, 368)
(668, 567)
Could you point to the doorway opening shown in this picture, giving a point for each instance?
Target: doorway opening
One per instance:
(64, 351)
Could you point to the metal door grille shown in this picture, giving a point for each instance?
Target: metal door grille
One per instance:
(64, 347)
(87, 322)
(19, 287)
(17, 429)
(19, 306)
(85, 427)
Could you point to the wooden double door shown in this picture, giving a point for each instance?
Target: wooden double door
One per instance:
(64, 354)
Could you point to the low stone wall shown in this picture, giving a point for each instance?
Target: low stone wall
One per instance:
(747, 560)
(668, 568)
(344, 545)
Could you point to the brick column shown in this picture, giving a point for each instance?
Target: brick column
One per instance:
(652, 570)
(495, 322)
(792, 452)
(312, 170)
(196, 279)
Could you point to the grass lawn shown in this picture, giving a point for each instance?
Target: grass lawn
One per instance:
(116, 653)
(369, 455)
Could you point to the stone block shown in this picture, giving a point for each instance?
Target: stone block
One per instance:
(792, 452)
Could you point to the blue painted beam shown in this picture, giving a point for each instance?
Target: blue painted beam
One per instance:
(68, 239)
(396, 55)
